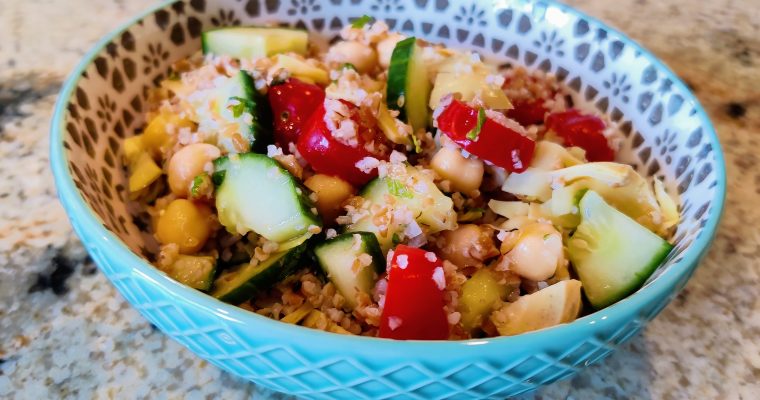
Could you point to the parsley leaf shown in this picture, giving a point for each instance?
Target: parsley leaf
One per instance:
(395, 239)
(473, 134)
(417, 144)
(361, 21)
(241, 106)
(398, 189)
(348, 66)
(197, 186)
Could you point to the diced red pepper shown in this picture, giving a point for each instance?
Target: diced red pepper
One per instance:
(584, 131)
(414, 299)
(495, 143)
(528, 112)
(329, 156)
(292, 103)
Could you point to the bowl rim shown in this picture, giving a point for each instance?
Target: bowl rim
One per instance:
(77, 209)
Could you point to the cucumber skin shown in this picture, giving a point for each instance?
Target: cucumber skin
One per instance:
(283, 267)
(261, 131)
(370, 241)
(397, 74)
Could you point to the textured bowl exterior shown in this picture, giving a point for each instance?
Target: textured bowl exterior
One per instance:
(666, 134)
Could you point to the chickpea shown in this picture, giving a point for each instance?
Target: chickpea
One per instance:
(468, 245)
(188, 163)
(186, 224)
(385, 49)
(465, 174)
(359, 55)
(331, 193)
(537, 253)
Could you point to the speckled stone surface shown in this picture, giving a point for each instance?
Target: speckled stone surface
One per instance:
(66, 333)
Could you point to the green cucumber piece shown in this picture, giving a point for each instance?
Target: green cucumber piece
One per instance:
(408, 84)
(243, 282)
(236, 98)
(612, 254)
(336, 257)
(430, 207)
(194, 271)
(253, 42)
(257, 194)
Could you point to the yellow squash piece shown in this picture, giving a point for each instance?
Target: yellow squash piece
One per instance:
(144, 171)
(480, 295)
(301, 69)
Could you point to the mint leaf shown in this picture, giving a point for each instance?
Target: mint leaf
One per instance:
(473, 134)
(241, 106)
(398, 189)
(361, 21)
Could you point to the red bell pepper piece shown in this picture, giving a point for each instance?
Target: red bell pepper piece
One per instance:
(292, 103)
(414, 299)
(584, 131)
(528, 112)
(330, 156)
(495, 143)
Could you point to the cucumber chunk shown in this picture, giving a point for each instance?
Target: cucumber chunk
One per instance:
(252, 42)
(238, 97)
(612, 254)
(194, 271)
(256, 194)
(240, 284)
(431, 209)
(339, 258)
(408, 84)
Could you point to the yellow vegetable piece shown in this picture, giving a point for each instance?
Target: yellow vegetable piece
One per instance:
(388, 125)
(301, 69)
(299, 314)
(185, 223)
(556, 304)
(157, 132)
(194, 271)
(480, 295)
(331, 193)
(133, 146)
(144, 171)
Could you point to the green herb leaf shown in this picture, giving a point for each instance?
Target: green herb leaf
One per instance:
(198, 181)
(398, 189)
(417, 144)
(348, 66)
(473, 134)
(395, 239)
(361, 21)
(241, 106)
(547, 236)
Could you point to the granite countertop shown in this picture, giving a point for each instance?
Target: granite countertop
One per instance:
(65, 332)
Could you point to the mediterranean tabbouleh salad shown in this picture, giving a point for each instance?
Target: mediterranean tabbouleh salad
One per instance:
(387, 186)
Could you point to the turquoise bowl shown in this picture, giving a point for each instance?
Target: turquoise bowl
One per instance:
(666, 133)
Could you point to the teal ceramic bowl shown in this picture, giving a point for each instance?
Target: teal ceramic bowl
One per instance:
(666, 134)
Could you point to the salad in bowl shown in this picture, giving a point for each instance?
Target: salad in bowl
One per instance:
(386, 186)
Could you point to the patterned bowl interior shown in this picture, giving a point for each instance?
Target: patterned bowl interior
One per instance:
(666, 132)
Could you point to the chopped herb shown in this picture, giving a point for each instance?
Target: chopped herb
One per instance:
(348, 66)
(196, 190)
(361, 21)
(241, 106)
(395, 239)
(417, 143)
(473, 134)
(398, 189)
(547, 236)
(471, 215)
